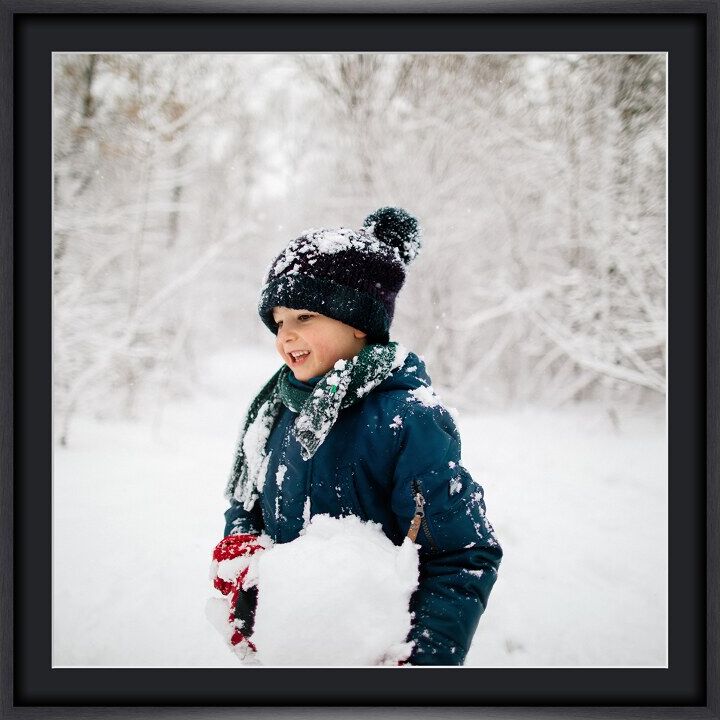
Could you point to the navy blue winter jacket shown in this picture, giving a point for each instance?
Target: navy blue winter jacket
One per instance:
(382, 451)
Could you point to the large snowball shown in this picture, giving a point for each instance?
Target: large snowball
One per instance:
(337, 595)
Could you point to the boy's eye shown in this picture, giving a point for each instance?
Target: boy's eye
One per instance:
(278, 323)
(304, 317)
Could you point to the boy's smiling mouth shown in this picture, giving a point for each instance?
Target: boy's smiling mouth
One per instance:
(298, 357)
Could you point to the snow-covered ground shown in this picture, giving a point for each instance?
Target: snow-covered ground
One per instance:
(580, 508)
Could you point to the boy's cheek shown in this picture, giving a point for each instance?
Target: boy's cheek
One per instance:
(279, 350)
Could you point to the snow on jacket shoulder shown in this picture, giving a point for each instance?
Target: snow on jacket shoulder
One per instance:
(397, 442)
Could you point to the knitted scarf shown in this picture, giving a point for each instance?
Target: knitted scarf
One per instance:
(317, 410)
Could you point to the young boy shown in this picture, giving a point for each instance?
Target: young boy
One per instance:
(350, 425)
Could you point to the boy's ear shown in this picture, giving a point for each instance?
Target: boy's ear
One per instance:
(359, 333)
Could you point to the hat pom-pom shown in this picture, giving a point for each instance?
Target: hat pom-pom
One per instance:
(396, 228)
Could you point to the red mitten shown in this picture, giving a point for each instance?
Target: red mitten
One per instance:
(231, 558)
(230, 563)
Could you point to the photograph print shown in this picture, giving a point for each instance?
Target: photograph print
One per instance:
(359, 359)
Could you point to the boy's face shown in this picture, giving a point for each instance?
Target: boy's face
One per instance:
(311, 343)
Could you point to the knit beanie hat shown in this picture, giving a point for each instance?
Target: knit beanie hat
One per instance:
(350, 275)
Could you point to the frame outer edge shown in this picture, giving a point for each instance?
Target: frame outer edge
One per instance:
(713, 360)
(6, 363)
(358, 6)
(7, 708)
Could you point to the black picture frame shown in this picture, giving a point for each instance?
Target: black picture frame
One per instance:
(31, 30)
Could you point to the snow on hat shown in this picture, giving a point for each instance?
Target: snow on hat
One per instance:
(350, 275)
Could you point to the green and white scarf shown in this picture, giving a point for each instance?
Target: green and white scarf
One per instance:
(317, 410)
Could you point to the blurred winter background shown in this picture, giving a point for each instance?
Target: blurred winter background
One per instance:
(538, 303)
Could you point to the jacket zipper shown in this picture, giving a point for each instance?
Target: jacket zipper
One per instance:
(420, 512)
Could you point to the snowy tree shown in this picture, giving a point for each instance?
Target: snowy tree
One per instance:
(136, 219)
(539, 181)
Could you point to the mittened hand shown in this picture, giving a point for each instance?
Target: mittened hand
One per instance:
(231, 558)
(230, 563)
(216, 611)
(241, 645)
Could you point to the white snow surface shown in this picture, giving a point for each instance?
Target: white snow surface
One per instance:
(579, 506)
(253, 447)
(338, 595)
(424, 395)
(335, 240)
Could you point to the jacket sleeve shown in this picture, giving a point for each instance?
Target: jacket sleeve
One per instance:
(459, 553)
(239, 521)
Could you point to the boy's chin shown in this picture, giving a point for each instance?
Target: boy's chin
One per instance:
(301, 373)
(305, 374)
